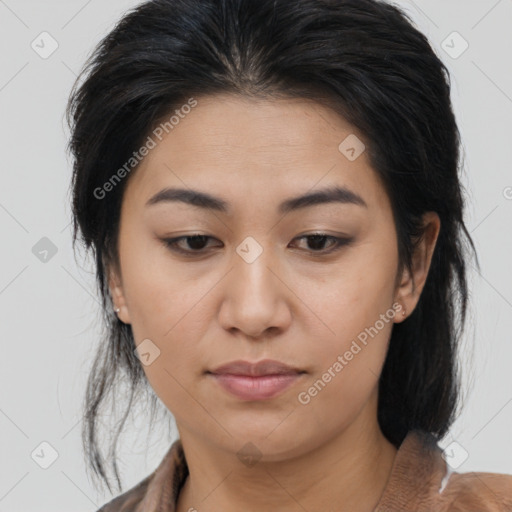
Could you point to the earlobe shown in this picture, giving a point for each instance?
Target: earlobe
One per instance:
(402, 297)
(413, 281)
(118, 300)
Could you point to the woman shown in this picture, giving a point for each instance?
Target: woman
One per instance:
(271, 193)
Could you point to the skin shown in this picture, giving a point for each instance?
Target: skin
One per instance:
(290, 304)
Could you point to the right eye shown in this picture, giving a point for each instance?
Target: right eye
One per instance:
(195, 242)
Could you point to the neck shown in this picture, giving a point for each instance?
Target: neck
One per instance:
(348, 472)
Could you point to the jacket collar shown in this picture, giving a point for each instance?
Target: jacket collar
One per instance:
(419, 474)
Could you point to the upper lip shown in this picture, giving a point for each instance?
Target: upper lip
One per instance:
(265, 367)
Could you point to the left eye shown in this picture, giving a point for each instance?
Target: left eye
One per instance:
(196, 243)
(317, 241)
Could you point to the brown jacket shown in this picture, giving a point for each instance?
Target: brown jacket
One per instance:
(420, 481)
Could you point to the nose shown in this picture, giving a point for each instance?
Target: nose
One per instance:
(255, 298)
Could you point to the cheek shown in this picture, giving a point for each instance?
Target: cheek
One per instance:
(174, 333)
(160, 296)
(349, 365)
(356, 305)
(355, 293)
(172, 311)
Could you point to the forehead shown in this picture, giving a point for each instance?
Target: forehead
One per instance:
(232, 125)
(238, 146)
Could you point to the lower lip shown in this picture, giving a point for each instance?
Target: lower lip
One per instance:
(256, 388)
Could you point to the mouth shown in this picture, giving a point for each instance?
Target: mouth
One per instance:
(256, 381)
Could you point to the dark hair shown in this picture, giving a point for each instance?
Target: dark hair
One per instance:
(362, 58)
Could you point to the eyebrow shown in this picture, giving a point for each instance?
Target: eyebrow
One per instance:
(200, 199)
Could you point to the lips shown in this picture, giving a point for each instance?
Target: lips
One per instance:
(265, 367)
(256, 381)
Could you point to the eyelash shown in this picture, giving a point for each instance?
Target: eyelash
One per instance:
(171, 243)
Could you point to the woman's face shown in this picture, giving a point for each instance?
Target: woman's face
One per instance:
(256, 287)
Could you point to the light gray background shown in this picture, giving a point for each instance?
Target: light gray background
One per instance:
(49, 312)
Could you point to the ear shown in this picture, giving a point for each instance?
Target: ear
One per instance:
(412, 282)
(118, 298)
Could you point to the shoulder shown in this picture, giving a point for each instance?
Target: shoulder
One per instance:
(130, 499)
(422, 480)
(490, 492)
(159, 490)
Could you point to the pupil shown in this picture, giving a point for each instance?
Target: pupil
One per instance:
(195, 238)
(317, 238)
